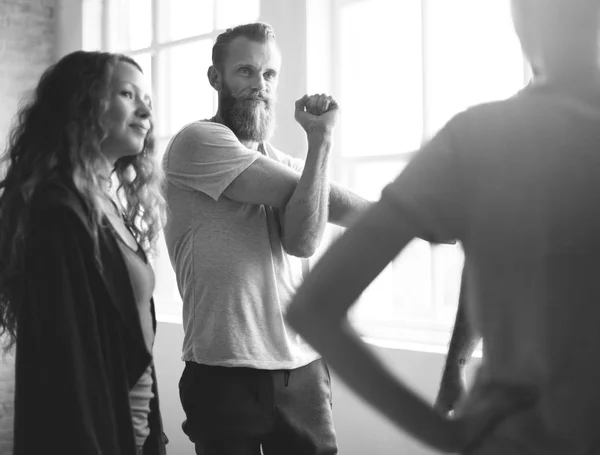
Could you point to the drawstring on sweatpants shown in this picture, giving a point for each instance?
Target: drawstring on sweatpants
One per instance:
(286, 378)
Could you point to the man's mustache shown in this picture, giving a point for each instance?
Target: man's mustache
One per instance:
(263, 98)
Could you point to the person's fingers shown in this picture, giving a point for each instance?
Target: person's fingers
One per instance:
(329, 104)
(312, 105)
(332, 103)
(301, 103)
(322, 102)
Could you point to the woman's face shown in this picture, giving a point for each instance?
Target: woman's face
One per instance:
(129, 116)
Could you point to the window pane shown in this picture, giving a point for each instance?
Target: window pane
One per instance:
(447, 271)
(185, 94)
(161, 146)
(404, 289)
(376, 302)
(368, 178)
(166, 294)
(145, 61)
(472, 56)
(236, 12)
(131, 24)
(184, 18)
(380, 77)
(412, 282)
(92, 25)
(402, 292)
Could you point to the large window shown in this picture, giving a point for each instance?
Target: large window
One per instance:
(402, 69)
(172, 41)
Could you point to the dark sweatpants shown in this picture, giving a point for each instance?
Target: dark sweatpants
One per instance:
(236, 411)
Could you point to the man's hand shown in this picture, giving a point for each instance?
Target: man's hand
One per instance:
(495, 404)
(316, 112)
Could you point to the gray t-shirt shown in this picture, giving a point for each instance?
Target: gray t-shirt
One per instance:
(518, 183)
(234, 277)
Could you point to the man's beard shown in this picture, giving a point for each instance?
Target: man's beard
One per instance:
(251, 117)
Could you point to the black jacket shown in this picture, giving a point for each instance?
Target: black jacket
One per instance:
(80, 347)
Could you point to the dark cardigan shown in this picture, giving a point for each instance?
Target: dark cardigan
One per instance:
(80, 347)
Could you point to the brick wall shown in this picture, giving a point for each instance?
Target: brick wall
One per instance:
(27, 47)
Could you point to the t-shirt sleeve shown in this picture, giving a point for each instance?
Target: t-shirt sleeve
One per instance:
(432, 189)
(206, 157)
(294, 163)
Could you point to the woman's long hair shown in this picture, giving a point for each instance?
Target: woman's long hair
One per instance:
(59, 130)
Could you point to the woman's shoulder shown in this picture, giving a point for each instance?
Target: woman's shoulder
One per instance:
(56, 191)
(57, 199)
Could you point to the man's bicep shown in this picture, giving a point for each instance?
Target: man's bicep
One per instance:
(265, 182)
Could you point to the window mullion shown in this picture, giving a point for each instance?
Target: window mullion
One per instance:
(215, 19)
(216, 14)
(424, 59)
(105, 18)
(335, 80)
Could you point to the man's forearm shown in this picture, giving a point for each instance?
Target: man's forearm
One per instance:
(464, 340)
(462, 343)
(305, 215)
(344, 205)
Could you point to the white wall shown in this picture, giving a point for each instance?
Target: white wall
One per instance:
(27, 37)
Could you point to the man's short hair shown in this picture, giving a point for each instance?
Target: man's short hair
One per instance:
(256, 31)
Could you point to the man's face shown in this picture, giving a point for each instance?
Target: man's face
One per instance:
(249, 80)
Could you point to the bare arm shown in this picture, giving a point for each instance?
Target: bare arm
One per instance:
(303, 199)
(462, 345)
(269, 182)
(344, 205)
(319, 314)
(305, 214)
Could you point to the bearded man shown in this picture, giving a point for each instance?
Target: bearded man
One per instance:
(242, 214)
